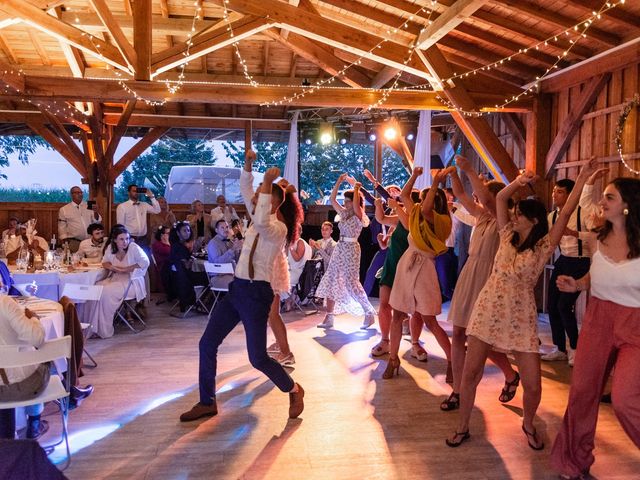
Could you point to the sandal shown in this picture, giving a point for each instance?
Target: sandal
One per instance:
(451, 403)
(418, 352)
(463, 437)
(507, 394)
(537, 445)
(381, 348)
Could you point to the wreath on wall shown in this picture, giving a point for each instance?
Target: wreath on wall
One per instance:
(628, 108)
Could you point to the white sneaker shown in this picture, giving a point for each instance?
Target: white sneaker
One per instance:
(571, 356)
(418, 352)
(327, 322)
(554, 356)
(369, 319)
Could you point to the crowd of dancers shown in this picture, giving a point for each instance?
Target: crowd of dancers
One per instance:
(493, 309)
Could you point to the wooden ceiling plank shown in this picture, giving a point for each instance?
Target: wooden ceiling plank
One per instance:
(463, 64)
(476, 129)
(142, 38)
(8, 51)
(616, 14)
(108, 20)
(571, 124)
(134, 152)
(44, 57)
(331, 32)
(74, 57)
(41, 20)
(517, 129)
(449, 20)
(383, 76)
(322, 57)
(164, 10)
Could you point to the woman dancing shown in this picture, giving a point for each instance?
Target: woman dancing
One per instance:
(415, 288)
(504, 317)
(482, 251)
(250, 298)
(609, 337)
(341, 282)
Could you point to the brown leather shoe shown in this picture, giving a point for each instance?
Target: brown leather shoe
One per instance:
(199, 411)
(296, 402)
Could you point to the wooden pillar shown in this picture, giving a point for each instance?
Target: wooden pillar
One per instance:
(538, 140)
(377, 159)
(248, 134)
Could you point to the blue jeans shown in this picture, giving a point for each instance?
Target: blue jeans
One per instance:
(247, 302)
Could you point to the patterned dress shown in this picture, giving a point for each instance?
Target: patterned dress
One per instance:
(505, 314)
(341, 281)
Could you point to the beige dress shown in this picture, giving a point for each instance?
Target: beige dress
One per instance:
(505, 314)
(475, 273)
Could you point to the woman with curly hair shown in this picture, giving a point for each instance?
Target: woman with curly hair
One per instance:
(250, 295)
(609, 336)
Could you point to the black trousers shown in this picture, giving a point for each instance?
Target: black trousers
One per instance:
(561, 306)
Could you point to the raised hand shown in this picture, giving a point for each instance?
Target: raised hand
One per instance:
(527, 177)
(417, 171)
(439, 177)
(342, 178)
(589, 168)
(350, 180)
(357, 185)
(369, 176)
(463, 163)
(392, 203)
(271, 174)
(599, 173)
(250, 156)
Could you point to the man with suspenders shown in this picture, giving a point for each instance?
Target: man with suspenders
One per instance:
(574, 260)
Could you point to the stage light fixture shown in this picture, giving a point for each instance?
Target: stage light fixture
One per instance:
(390, 133)
(309, 133)
(326, 133)
(370, 132)
(342, 132)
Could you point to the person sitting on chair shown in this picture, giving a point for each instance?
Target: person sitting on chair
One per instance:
(180, 261)
(38, 244)
(323, 248)
(90, 249)
(222, 250)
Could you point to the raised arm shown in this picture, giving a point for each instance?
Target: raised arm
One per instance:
(383, 219)
(403, 215)
(557, 231)
(429, 200)
(377, 185)
(246, 180)
(334, 193)
(358, 207)
(502, 199)
(463, 197)
(405, 194)
(480, 189)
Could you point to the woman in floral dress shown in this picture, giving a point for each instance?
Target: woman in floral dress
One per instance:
(504, 317)
(340, 285)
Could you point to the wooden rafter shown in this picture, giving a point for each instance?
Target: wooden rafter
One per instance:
(76, 89)
(164, 10)
(383, 76)
(145, 142)
(450, 19)
(62, 133)
(74, 56)
(617, 14)
(8, 51)
(517, 130)
(572, 123)
(58, 145)
(142, 38)
(331, 32)
(44, 57)
(476, 129)
(119, 131)
(39, 19)
(112, 26)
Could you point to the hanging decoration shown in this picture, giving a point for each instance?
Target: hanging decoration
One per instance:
(628, 108)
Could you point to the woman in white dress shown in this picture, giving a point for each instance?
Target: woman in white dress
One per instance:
(123, 260)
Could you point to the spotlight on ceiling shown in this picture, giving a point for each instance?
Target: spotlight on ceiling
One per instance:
(308, 133)
(326, 133)
(390, 133)
(343, 132)
(410, 131)
(370, 132)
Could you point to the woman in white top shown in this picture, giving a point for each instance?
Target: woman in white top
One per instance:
(123, 260)
(610, 332)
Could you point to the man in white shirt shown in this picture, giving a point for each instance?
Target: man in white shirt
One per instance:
(323, 248)
(91, 248)
(223, 211)
(74, 218)
(133, 215)
(574, 261)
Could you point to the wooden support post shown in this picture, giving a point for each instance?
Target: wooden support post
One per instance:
(142, 32)
(377, 159)
(248, 134)
(538, 139)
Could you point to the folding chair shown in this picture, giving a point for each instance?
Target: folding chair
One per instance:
(11, 356)
(81, 293)
(125, 308)
(217, 283)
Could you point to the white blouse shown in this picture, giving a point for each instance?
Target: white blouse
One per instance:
(617, 282)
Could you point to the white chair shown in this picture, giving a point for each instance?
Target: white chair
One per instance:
(214, 271)
(79, 292)
(11, 356)
(125, 307)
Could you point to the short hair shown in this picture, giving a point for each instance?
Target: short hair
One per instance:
(328, 224)
(93, 227)
(566, 184)
(13, 217)
(218, 223)
(193, 205)
(133, 185)
(159, 231)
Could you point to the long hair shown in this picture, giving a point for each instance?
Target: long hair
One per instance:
(174, 238)
(116, 230)
(440, 204)
(291, 211)
(629, 189)
(533, 210)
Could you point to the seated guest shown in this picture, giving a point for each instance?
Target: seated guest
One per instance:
(124, 261)
(10, 234)
(74, 219)
(183, 278)
(6, 282)
(38, 244)
(165, 218)
(200, 224)
(323, 248)
(222, 250)
(223, 211)
(161, 249)
(297, 256)
(90, 249)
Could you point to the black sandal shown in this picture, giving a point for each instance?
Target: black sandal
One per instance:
(507, 394)
(463, 437)
(451, 403)
(533, 435)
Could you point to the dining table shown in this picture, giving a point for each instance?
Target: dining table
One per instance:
(51, 283)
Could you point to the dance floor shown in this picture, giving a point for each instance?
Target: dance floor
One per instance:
(355, 425)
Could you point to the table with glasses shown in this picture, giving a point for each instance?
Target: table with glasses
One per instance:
(51, 283)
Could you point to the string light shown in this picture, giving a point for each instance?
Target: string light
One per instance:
(634, 103)
(243, 63)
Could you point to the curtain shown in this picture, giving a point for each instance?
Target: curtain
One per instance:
(422, 157)
(291, 165)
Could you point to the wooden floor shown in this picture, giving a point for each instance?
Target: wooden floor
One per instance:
(355, 425)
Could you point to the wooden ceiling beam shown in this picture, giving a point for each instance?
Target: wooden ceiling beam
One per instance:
(113, 27)
(206, 43)
(44, 22)
(319, 55)
(572, 122)
(134, 152)
(74, 89)
(142, 38)
(331, 32)
(618, 14)
(74, 57)
(58, 145)
(383, 77)
(62, 133)
(447, 21)
(119, 131)
(534, 10)
(10, 76)
(517, 130)
(476, 129)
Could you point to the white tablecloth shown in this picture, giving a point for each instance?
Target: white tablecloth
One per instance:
(51, 284)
